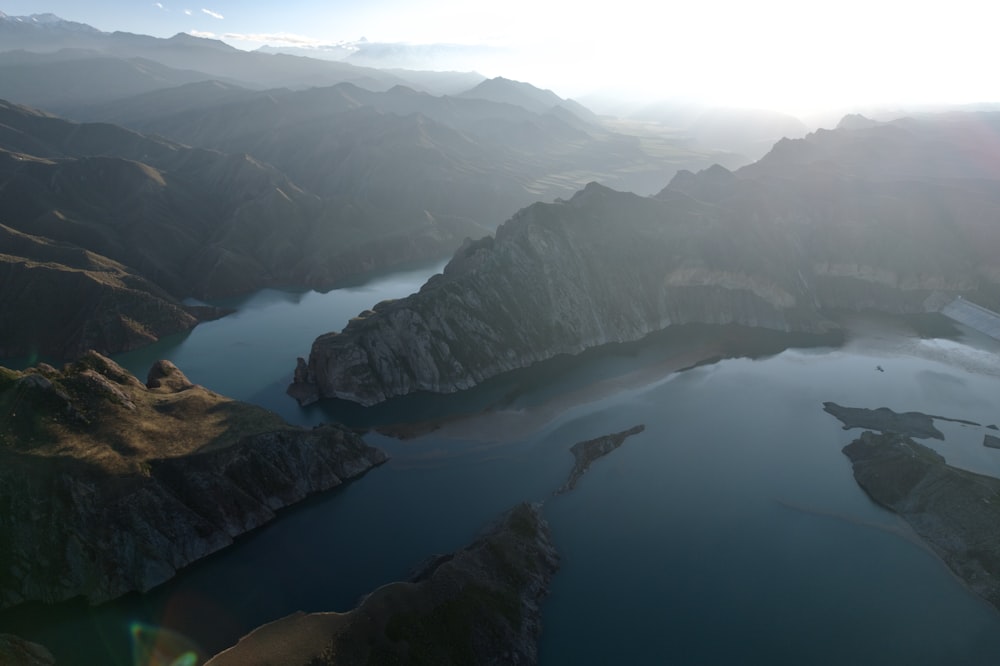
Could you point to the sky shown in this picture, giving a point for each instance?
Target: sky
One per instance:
(794, 55)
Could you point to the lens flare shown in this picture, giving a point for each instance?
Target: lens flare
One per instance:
(156, 646)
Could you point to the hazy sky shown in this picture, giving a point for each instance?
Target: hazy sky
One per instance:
(791, 54)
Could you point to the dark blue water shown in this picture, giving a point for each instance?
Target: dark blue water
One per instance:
(730, 531)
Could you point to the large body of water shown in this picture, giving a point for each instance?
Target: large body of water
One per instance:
(730, 531)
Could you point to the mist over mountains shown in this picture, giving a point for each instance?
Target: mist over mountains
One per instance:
(172, 184)
(169, 160)
(888, 217)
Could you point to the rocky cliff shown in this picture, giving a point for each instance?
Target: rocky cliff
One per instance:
(479, 605)
(108, 485)
(955, 511)
(778, 246)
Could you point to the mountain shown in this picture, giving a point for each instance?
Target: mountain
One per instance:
(936, 146)
(525, 95)
(44, 34)
(834, 221)
(404, 153)
(61, 300)
(106, 229)
(109, 485)
(71, 78)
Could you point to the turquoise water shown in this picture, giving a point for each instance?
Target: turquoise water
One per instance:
(730, 531)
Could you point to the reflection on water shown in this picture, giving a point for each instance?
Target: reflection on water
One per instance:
(729, 531)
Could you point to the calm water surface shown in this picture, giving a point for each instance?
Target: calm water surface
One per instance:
(730, 531)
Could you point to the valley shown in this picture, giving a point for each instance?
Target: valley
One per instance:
(487, 285)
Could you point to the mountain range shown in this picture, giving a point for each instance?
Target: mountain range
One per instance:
(890, 217)
(170, 186)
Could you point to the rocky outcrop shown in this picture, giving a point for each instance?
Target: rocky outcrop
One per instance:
(955, 511)
(16, 651)
(479, 605)
(109, 486)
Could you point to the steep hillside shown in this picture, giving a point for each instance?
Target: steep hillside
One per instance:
(109, 485)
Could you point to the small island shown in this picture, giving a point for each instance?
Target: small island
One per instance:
(883, 419)
(592, 449)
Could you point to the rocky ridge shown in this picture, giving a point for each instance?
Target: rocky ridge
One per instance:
(479, 605)
(109, 485)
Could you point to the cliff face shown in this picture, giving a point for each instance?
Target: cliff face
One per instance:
(774, 245)
(109, 486)
(479, 605)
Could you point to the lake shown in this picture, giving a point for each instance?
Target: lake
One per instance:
(730, 531)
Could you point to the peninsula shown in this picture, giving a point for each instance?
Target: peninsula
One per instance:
(109, 485)
(955, 511)
(477, 606)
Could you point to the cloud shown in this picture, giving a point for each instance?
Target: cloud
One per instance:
(202, 34)
(159, 5)
(212, 14)
(188, 12)
(273, 38)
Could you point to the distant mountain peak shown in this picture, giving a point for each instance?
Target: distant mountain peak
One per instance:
(525, 95)
(187, 38)
(856, 121)
(47, 21)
